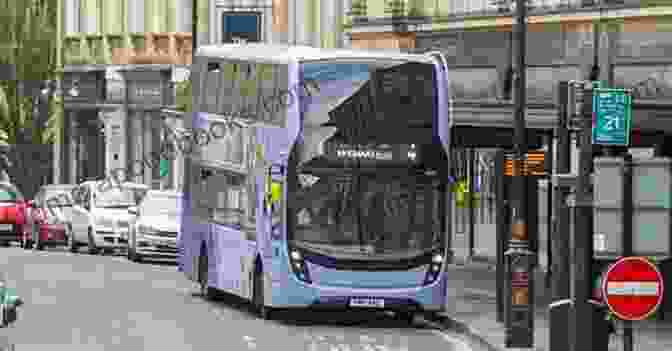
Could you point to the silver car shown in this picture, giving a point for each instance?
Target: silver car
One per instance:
(153, 233)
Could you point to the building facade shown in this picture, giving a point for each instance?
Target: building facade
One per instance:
(121, 62)
(622, 43)
(300, 22)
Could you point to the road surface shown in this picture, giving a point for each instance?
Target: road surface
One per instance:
(83, 302)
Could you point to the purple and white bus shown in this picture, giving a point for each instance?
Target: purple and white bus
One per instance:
(320, 179)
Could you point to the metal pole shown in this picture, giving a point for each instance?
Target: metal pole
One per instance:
(502, 219)
(548, 160)
(583, 233)
(194, 27)
(628, 341)
(559, 239)
(520, 260)
(519, 183)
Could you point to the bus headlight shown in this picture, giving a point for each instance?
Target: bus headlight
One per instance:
(299, 267)
(434, 270)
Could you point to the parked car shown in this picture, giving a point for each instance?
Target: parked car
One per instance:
(47, 217)
(153, 234)
(12, 214)
(100, 217)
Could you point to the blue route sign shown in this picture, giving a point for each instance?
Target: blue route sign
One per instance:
(612, 117)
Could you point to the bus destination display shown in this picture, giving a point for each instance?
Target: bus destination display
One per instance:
(374, 154)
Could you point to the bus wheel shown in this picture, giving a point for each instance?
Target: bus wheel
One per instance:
(258, 300)
(207, 292)
(407, 317)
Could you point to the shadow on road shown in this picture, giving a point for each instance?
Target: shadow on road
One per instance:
(308, 317)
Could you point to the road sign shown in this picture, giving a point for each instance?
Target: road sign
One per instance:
(633, 288)
(612, 116)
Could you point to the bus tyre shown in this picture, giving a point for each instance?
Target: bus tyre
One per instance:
(93, 250)
(207, 292)
(259, 303)
(407, 317)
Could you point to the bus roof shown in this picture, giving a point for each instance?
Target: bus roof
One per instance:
(285, 54)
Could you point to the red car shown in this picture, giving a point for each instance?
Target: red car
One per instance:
(12, 214)
(46, 225)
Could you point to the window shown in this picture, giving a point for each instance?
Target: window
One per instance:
(225, 197)
(241, 27)
(388, 214)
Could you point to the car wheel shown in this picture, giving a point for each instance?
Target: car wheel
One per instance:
(258, 300)
(93, 250)
(133, 256)
(25, 242)
(34, 242)
(72, 245)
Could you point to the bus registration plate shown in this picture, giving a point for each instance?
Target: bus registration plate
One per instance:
(367, 302)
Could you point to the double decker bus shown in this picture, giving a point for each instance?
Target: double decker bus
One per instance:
(321, 179)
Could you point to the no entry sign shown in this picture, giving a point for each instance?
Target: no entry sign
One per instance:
(632, 288)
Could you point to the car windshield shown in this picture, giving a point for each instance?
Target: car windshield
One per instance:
(161, 206)
(117, 198)
(9, 193)
(60, 195)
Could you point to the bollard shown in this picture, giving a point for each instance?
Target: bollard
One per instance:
(559, 312)
(602, 328)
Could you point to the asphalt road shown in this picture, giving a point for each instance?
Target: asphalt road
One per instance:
(84, 302)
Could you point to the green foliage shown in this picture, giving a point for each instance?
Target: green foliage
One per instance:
(358, 8)
(395, 8)
(28, 38)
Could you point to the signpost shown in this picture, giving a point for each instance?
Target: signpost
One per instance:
(612, 117)
(633, 288)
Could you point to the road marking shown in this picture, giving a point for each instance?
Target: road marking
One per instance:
(633, 288)
(461, 344)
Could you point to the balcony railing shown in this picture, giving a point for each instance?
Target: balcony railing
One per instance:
(401, 10)
(131, 48)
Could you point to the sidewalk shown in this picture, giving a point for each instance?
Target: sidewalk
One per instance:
(471, 309)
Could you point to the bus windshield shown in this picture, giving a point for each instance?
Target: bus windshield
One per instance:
(367, 213)
(358, 188)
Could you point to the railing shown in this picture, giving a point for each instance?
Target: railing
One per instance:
(128, 48)
(401, 9)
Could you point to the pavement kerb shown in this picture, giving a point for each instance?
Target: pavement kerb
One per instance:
(444, 322)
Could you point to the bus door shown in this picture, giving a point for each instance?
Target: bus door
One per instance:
(272, 170)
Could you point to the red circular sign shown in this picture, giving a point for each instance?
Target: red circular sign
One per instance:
(633, 288)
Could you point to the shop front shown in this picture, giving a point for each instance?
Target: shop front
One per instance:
(149, 89)
(83, 152)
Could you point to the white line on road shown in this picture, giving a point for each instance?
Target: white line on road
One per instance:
(460, 344)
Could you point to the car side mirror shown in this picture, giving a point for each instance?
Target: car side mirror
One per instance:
(133, 210)
(31, 203)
